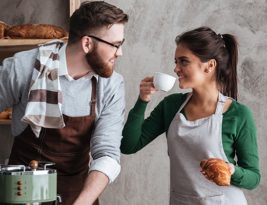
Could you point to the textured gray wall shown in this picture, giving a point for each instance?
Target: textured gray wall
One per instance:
(149, 47)
(35, 11)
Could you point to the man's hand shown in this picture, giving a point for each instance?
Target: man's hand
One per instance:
(94, 185)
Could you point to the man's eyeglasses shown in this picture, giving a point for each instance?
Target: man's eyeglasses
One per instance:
(117, 46)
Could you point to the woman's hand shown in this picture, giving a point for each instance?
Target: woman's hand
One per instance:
(146, 89)
(231, 168)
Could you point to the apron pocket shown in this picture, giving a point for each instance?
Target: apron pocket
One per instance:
(182, 199)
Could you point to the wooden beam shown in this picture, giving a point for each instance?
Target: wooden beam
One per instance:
(74, 4)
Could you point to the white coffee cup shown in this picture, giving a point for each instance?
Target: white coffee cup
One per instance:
(163, 81)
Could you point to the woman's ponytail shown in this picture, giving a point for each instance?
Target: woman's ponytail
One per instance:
(230, 85)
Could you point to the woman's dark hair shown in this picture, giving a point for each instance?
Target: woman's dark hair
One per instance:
(206, 44)
(93, 15)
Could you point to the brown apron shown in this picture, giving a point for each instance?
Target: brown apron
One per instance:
(68, 148)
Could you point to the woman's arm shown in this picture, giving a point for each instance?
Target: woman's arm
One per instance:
(137, 131)
(247, 173)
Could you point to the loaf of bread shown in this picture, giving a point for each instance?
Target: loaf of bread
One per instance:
(39, 31)
(217, 170)
(6, 114)
(3, 28)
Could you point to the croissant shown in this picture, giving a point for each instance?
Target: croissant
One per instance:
(217, 170)
(40, 31)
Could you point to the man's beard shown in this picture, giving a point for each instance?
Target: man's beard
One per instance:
(100, 67)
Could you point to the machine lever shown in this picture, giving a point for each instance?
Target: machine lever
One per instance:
(58, 200)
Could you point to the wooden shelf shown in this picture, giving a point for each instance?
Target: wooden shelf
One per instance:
(5, 122)
(22, 42)
(25, 42)
(8, 47)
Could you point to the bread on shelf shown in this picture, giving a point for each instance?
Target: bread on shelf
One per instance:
(31, 31)
(3, 28)
(6, 114)
(36, 31)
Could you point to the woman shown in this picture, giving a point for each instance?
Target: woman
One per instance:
(205, 123)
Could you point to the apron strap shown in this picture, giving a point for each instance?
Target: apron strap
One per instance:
(185, 102)
(220, 104)
(222, 99)
(93, 96)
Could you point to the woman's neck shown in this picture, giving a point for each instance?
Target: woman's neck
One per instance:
(202, 103)
(204, 97)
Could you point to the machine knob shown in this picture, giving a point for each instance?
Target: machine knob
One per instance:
(19, 193)
(34, 164)
(19, 182)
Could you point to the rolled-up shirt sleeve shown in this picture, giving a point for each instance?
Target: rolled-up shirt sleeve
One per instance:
(8, 84)
(110, 167)
(15, 76)
(106, 139)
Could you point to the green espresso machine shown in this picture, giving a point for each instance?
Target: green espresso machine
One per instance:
(28, 185)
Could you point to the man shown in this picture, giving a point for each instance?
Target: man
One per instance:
(67, 101)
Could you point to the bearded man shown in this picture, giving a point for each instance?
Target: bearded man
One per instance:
(68, 102)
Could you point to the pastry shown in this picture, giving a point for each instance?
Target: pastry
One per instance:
(6, 114)
(217, 170)
(39, 31)
(3, 29)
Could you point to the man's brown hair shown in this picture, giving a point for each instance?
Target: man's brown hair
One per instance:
(93, 15)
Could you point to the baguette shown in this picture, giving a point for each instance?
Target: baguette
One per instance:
(38, 31)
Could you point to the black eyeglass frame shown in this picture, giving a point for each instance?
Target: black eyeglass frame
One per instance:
(106, 42)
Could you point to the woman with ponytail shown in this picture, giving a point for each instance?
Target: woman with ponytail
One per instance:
(205, 124)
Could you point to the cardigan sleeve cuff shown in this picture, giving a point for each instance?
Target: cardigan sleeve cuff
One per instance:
(238, 174)
(140, 106)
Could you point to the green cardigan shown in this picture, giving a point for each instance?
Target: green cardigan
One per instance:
(238, 135)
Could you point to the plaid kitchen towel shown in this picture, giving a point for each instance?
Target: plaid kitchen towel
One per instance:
(44, 108)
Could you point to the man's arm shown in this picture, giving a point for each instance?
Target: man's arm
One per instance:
(7, 85)
(93, 187)
(105, 142)
(15, 76)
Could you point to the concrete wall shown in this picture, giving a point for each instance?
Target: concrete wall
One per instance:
(149, 47)
(35, 11)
